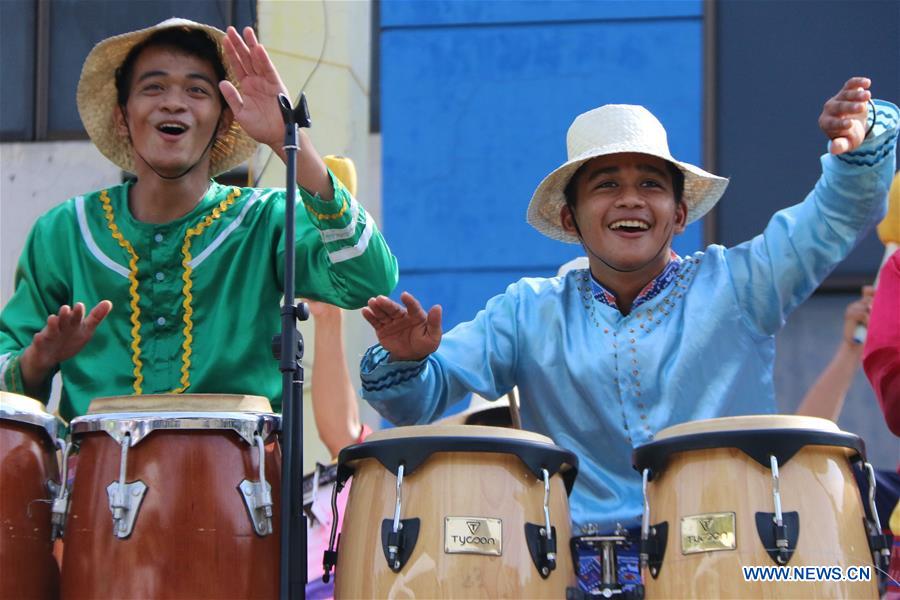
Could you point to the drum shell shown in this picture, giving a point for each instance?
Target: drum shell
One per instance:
(456, 484)
(192, 537)
(816, 482)
(27, 463)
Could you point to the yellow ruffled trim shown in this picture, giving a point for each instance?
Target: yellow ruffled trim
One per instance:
(132, 290)
(188, 284)
(327, 216)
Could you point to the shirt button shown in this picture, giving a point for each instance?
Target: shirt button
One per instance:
(160, 276)
(158, 237)
(161, 321)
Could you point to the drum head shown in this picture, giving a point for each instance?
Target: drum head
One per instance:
(473, 431)
(23, 409)
(748, 422)
(180, 403)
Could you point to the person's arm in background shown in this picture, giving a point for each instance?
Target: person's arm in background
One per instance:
(881, 358)
(334, 399)
(825, 398)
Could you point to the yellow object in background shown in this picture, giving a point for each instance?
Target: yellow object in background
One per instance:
(345, 170)
(889, 228)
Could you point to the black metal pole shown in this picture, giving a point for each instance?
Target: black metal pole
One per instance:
(289, 347)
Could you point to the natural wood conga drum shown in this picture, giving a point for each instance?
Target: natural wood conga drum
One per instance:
(469, 503)
(176, 498)
(27, 466)
(715, 489)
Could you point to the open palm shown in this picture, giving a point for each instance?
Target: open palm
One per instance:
(255, 106)
(407, 332)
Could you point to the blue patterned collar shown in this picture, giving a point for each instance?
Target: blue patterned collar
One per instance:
(650, 291)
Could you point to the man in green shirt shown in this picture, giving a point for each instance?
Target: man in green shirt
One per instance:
(184, 275)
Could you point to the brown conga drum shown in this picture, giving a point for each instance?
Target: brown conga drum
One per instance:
(176, 498)
(456, 511)
(28, 479)
(716, 491)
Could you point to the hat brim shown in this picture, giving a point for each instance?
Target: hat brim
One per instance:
(701, 191)
(97, 100)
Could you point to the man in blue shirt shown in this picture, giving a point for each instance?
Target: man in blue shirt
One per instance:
(605, 357)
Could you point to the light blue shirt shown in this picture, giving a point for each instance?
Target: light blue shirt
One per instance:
(601, 383)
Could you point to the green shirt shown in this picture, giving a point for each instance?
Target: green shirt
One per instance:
(196, 300)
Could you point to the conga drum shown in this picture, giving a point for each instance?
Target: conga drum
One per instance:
(457, 511)
(755, 507)
(29, 480)
(175, 496)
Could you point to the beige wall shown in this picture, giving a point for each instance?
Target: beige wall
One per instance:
(34, 177)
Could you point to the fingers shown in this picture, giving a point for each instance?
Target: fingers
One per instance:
(96, 316)
(237, 53)
(868, 292)
(413, 307)
(434, 322)
(385, 309)
(839, 145)
(857, 82)
(232, 96)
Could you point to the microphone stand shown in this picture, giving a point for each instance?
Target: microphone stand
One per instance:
(288, 350)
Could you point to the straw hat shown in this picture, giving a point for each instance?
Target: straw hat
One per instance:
(614, 129)
(96, 99)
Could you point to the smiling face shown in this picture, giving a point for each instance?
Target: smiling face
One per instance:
(173, 110)
(626, 212)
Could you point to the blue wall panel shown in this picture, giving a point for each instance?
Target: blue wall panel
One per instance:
(473, 119)
(405, 13)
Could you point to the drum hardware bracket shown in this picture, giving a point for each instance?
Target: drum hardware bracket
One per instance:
(542, 538)
(541, 547)
(878, 542)
(330, 558)
(609, 585)
(780, 542)
(125, 498)
(398, 537)
(575, 593)
(653, 547)
(257, 495)
(398, 546)
(60, 493)
(653, 537)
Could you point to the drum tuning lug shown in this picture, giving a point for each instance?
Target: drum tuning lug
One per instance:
(124, 503)
(542, 548)
(398, 546)
(257, 495)
(58, 512)
(779, 541)
(653, 547)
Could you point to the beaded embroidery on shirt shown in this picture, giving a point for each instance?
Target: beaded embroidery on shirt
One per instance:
(654, 287)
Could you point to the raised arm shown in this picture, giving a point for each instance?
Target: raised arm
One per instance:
(825, 398)
(255, 107)
(334, 400)
(778, 269)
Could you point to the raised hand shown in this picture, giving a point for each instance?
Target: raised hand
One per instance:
(844, 117)
(407, 332)
(64, 335)
(255, 107)
(857, 313)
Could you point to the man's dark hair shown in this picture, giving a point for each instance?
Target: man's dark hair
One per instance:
(675, 172)
(194, 42)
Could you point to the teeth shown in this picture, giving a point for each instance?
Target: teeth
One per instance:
(629, 223)
(171, 127)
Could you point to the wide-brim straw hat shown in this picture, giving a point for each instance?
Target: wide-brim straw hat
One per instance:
(616, 129)
(97, 100)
